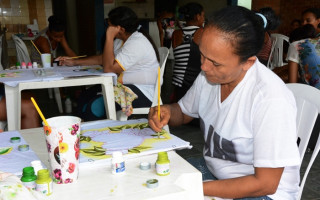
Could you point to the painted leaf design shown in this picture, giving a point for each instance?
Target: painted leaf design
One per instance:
(5, 150)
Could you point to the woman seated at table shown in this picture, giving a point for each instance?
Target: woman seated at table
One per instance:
(29, 115)
(273, 22)
(49, 40)
(312, 16)
(246, 111)
(185, 44)
(304, 59)
(130, 53)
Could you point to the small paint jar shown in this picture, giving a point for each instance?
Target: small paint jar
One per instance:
(23, 65)
(36, 164)
(34, 65)
(29, 65)
(117, 163)
(163, 164)
(28, 178)
(44, 182)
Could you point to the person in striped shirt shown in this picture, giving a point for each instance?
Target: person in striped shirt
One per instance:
(185, 44)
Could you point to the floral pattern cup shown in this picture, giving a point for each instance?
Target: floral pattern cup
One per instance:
(63, 144)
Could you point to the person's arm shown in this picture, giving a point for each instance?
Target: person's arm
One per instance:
(263, 182)
(91, 60)
(67, 49)
(197, 36)
(293, 62)
(108, 58)
(176, 38)
(169, 114)
(293, 71)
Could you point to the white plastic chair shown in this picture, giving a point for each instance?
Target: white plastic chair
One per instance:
(23, 56)
(3, 124)
(154, 33)
(1, 68)
(308, 105)
(21, 49)
(163, 52)
(277, 55)
(274, 40)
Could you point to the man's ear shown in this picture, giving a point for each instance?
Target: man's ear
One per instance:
(249, 63)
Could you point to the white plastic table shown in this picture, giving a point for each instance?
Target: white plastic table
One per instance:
(98, 183)
(13, 93)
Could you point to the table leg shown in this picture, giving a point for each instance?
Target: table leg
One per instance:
(108, 94)
(13, 106)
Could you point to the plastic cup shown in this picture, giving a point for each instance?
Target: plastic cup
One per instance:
(46, 60)
(63, 144)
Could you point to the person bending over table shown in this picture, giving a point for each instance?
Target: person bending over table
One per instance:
(29, 115)
(247, 113)
(130, 53)
(49, 39)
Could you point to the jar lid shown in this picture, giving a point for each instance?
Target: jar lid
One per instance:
(23, 147)
(15, 139)
(152, 183)
(145, 165)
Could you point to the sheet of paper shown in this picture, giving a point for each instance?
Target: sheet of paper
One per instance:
(11, 159)
(133, 138)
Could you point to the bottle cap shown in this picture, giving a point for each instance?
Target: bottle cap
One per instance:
(43, 173)
(152, 183)
(163, 155)
(35, 163)
(15, 139)
(145, 165)
(28, 171)
(116, 154)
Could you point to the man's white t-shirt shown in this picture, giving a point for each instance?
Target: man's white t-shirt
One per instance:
(255, 126)
(139, 62)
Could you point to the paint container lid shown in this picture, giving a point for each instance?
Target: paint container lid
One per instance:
(15, 139)
(152, 183)
(23, 147)
(145, 165)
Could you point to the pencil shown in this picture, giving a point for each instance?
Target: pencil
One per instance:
(75, 57)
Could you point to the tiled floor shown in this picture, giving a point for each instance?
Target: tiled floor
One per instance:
(189, 133)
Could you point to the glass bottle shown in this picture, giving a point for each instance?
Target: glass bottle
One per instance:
(163, 164)
(44, 182)
(28, 178)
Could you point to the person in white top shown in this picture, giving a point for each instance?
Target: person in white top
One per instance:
(247, 114)
(130, 53)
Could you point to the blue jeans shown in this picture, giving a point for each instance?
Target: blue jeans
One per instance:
(201, 165)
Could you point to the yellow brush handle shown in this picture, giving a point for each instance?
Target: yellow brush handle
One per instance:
(35, 47)
(75, 57)
(159, 93)
(39, 111)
